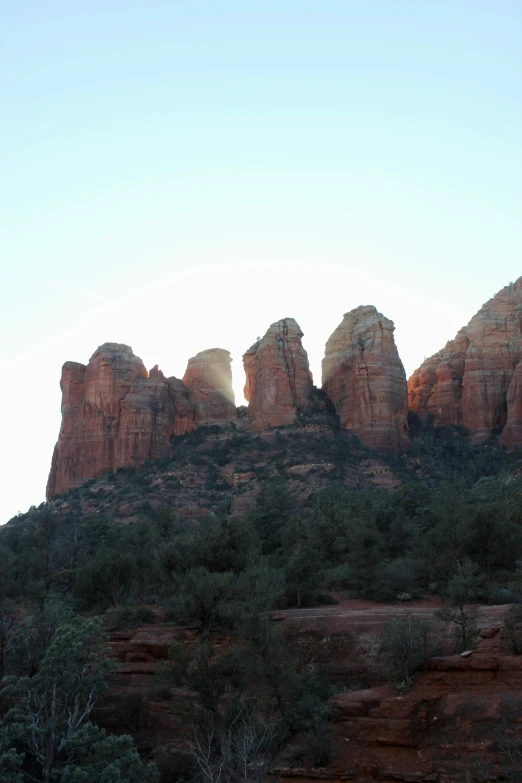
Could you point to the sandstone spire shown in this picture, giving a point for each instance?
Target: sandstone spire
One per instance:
(208, 379)
(278, 379)
(365, 379)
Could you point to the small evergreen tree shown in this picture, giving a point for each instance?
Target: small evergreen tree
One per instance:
(47, 732)
(406, 644)
(203, 595)
(53, 705)
(463, 588)
(10, 760)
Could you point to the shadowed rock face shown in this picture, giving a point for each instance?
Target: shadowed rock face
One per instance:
(475, 381)
(155, 410)
(365, 379)
(512, 433)
(208, 379)
(278, 379)
(435, 389)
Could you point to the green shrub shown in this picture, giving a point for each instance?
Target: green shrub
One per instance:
(379, 591)
(401, 575)
(161, 692)
(501, 595)
(127, 617)
(406, 644)
(466, 586)
(337, 578)
(325, 598)
(512, 628)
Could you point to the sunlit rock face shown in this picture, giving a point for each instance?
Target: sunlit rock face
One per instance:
(115, 414)
(435, 389)
(365, 380)
(208, 379)
(278, 379)
(475, 381)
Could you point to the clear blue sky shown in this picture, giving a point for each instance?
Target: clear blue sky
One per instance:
(177, 175)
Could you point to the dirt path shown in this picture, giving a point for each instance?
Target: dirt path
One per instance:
(368, 613)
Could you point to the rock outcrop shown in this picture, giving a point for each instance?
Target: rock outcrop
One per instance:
(512, 433)
(278, 378)
(443, 726)
(115, 414)
(475, 381)
(91, 407)
(365, 380)
(208, 379)
(440, 728)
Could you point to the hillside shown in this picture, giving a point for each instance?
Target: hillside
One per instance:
(316, 586)
(303, 474)
(200, 547)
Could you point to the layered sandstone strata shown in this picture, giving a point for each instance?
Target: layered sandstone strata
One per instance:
(208, 379)
(475, 381)
(115, 414)
(365, 380)
(278, 379)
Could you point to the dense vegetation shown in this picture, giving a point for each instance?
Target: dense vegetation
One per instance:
(53, 667)
(454, 502)
(453, 527)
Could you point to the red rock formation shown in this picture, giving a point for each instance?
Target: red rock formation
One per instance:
(278, 378)
(435, 731)
(447, 721)
(475, 380)
(208, 379)
(156, 409)
(512, 433)
(435, 389)
(365, 380)
(114, 415)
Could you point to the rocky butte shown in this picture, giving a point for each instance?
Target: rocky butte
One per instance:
(476, 380)
(278, 378)
(116, 414)
(365, 380)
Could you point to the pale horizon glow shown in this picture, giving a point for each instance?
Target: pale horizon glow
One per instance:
(178, 176)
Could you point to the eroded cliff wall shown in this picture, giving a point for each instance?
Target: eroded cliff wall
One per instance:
(475, 380)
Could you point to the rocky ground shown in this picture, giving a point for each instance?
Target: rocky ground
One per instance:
(429, 733)
(222, 469)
